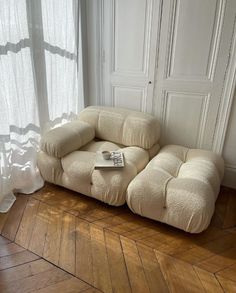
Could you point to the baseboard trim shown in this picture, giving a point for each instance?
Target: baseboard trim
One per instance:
(230, 177)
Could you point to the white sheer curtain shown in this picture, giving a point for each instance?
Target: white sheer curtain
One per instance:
(39, 84)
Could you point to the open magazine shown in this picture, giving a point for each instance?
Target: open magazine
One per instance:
(116, 161)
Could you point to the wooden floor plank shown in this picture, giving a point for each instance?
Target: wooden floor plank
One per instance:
(181, 241)
(83, 209)
(51, 250)
(179, 275)
(25, 230)
(118, 272)
(66, 286)
(67, 246)
(84, 235)
(24, 270)
(154, 276)
(84, 261)
(230, 215)
(92, 290)
(4, 240)
(111, 221)
(35, 282)
(220, 261)
(158, 236)
(58, 197)
(132, 223)
(54, 191)
(209, 281)
(102, 278)
(228, 273)
(232, 230)
(172, 241)
(53, 202)
(3, 218)
(141, 233)
(77, 204)
(17, 259)
(39, 233)
(14, 217)
(135, 269)
(100, 212)
(153, 243)
(10, 249)
(211, 233)
(227, 285)
(202, 252)
(167, 248)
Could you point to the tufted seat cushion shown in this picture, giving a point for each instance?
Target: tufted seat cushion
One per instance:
(76, 171)
(179, 186)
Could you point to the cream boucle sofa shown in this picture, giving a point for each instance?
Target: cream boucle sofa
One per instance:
(68, 152)
(178, 187)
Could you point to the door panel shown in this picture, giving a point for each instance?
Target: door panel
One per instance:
(185, 126)
(127, 97)
(194, 21)
(193, 54)
(130, 37)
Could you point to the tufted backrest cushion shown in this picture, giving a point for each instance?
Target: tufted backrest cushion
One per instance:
(122, 126)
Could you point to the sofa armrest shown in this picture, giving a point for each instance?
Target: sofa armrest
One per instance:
(67, 138)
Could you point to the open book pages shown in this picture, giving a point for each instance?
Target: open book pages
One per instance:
(116, 161)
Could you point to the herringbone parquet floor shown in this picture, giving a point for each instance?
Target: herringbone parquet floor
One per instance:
(113, 250)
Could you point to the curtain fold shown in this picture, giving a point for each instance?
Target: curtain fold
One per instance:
(38, 85)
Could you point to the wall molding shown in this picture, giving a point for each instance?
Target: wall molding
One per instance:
(213, 49)
(170, 41)
(211, 66)
(205, 99)
(146, 44)
(203, 120)
(226, 99)
(155, 100)
(143, 104)
(100, 51)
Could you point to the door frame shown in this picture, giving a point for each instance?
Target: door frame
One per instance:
(226, 101)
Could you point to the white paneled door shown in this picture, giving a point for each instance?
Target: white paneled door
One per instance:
(194, 50)
(169, 57)
(130, 39)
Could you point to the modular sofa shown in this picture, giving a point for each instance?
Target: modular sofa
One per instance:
(68, 152)
(176, 185)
